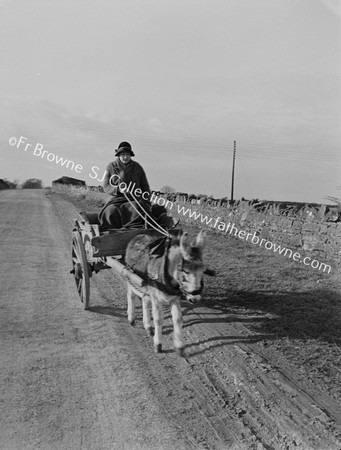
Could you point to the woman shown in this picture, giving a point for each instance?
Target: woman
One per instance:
(120, 174)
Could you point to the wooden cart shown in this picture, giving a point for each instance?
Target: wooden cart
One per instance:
(94, 249)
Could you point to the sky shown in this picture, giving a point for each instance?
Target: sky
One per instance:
(181, 80)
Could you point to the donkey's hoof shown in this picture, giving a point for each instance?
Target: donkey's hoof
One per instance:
(132, 322)
(181, 351)
(158, 348)
(150, 331)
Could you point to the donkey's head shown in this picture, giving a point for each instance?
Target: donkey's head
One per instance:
(188, 266)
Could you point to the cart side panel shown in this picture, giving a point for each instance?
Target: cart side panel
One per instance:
(115, 242)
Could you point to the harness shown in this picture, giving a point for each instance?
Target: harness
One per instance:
(158, 275)
(159, 254)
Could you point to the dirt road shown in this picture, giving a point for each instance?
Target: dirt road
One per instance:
(75, 379)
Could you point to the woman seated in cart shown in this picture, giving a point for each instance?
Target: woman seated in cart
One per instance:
(124, 177)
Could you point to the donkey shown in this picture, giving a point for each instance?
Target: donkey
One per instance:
(171, 267)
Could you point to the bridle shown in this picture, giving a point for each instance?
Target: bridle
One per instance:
(165, 283)
(181, 289)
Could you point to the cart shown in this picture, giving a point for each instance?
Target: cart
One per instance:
(94, 249)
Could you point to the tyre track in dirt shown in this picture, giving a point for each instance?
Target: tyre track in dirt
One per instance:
(263, 396)
(86, 379)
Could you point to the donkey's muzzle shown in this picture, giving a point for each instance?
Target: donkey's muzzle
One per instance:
(193, 298)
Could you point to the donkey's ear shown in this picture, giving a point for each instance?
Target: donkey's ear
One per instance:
(184, 242)
(201, 239)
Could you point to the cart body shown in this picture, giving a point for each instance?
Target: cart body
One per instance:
(94, 249)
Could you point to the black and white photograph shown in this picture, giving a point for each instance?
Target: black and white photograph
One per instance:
(170, 225)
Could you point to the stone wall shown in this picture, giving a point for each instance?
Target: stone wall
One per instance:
(322, 239)
(317, 238)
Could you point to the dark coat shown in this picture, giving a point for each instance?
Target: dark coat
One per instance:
(118, 212)
(131, 172)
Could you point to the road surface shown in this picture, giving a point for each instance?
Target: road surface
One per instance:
(75, 379)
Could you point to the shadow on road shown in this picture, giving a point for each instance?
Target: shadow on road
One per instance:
(109, 311)
(295, 315)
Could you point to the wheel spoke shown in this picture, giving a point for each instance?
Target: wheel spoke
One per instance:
(81, 268)
(77, 253)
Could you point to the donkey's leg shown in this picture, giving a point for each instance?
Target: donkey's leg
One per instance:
(146, 305)
(158, 320)
(177, 325)
(131, 305)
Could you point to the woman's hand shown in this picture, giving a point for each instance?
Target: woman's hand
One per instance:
(121, 190)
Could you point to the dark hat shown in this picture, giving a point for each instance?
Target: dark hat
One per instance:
(124, 147)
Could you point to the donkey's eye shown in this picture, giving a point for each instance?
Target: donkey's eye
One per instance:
(186, 271)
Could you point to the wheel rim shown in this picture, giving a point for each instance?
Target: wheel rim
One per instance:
(80, 269)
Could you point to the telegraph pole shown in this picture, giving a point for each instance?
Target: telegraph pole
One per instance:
(234, 158)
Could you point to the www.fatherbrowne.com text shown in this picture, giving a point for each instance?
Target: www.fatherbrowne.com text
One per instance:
(230, 228)
(217, 223)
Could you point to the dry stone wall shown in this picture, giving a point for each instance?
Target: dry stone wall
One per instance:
(314, 236)
(318, 238)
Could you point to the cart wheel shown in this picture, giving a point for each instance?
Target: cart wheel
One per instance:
(80, 268)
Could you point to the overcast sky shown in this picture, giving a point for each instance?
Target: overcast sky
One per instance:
(180, 80)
